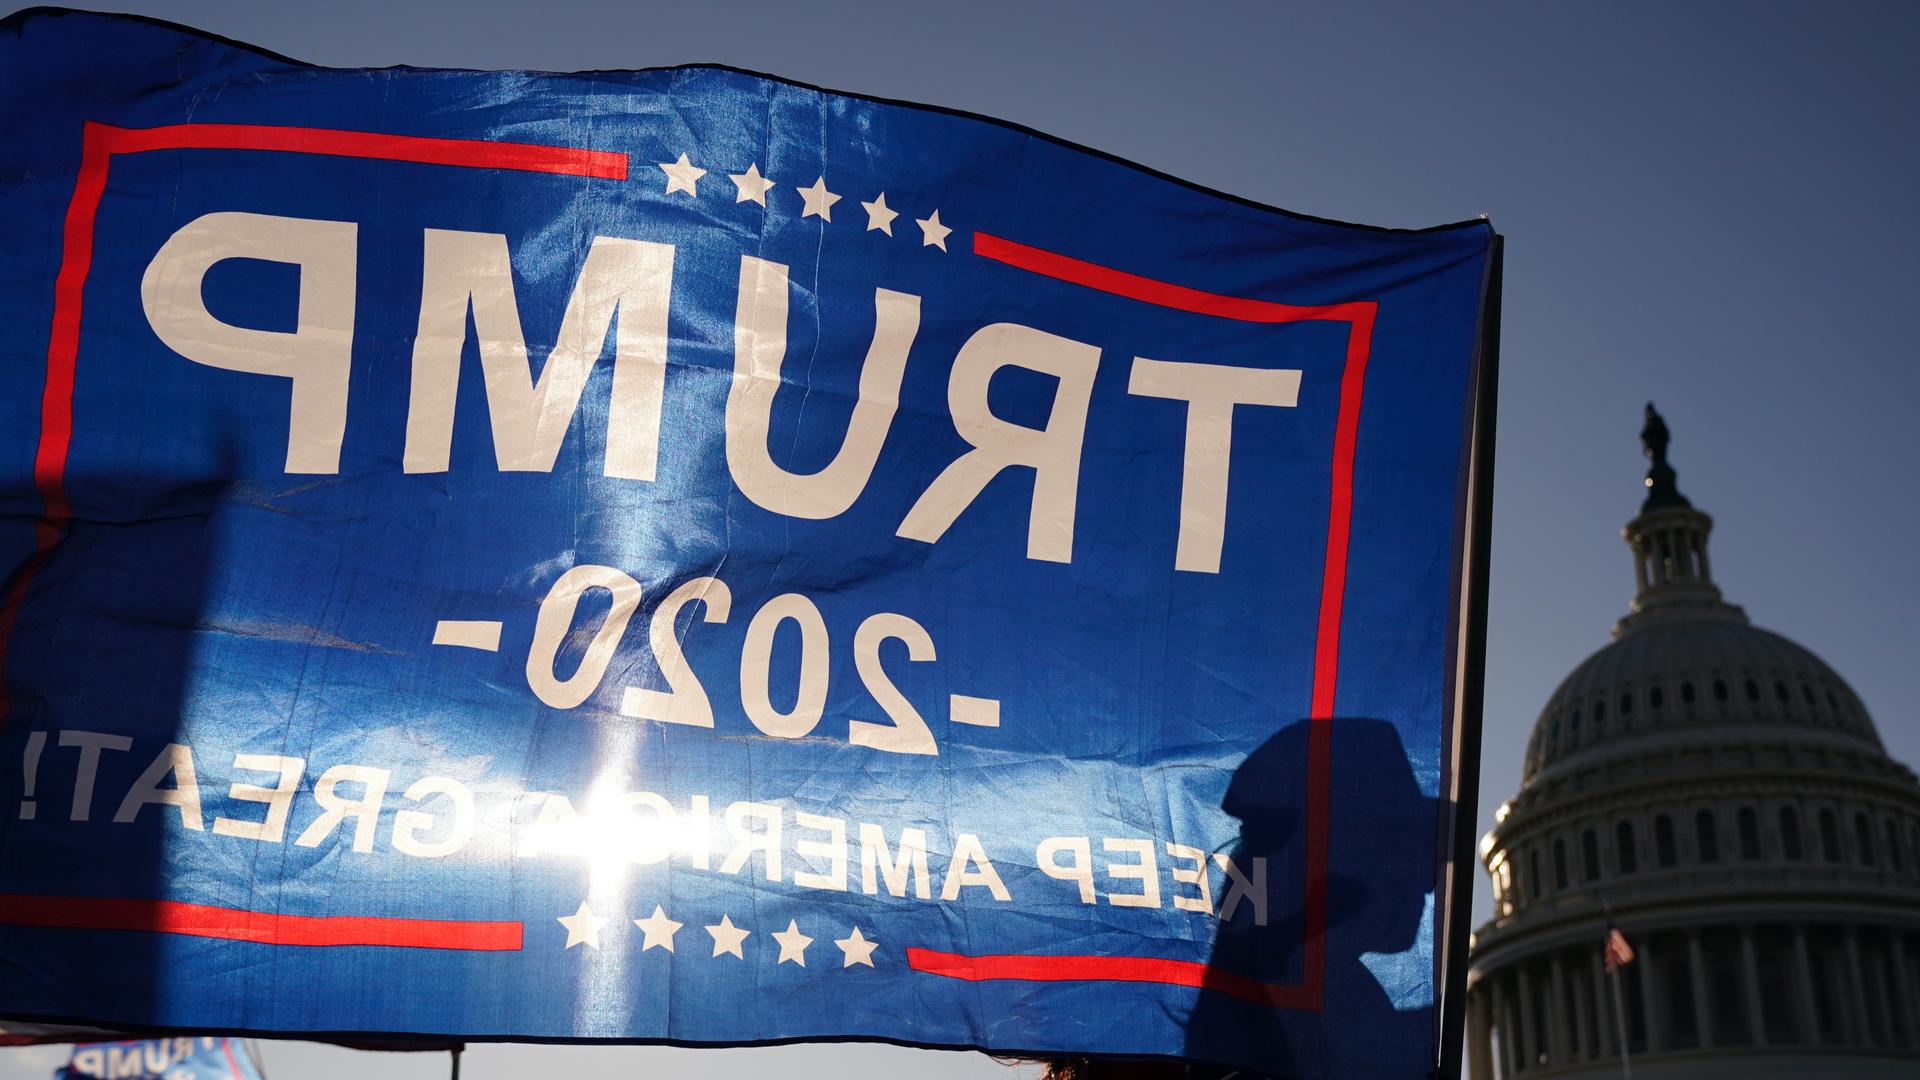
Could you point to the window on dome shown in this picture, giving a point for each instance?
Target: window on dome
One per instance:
(1790, 833)
(1780, 691)
(1655, 698)
(1623, 839)
(1829, 836)
(1720, 690)
(1705, 837)
(1753, 690)
(1626, 704)
(1893, 847)
(1749, 834)
(1576, 721)
(1663, 841)
(1533, 874)
(1590, 855)
(1686, 693)
(1806, 693)
(1863, 839)
(1832, 702)
(1599, 713)
(1559, 864)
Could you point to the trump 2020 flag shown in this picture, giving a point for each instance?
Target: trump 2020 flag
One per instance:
(162, 1059)
(681, 556)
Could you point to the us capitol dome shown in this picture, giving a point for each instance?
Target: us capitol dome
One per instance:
(1720, 795)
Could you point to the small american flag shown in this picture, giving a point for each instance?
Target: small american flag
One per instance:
(1619, 953)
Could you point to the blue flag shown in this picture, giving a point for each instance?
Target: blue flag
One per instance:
(162, 1059)
(681, 556)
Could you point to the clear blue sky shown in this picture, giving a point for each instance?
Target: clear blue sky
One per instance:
(1707, 204)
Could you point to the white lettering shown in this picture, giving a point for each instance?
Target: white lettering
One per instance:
(317, 356)
(625, 284)
(1142, 869)
(279, 798)
(176, 760)
(408, 825)
(745, 843)
(1052, 452)
(1195, 875)
(970, 866)
(89, 743)
(335, 808)
(1239, 888)
(833, 849)
(759, 350)
(907, 862)
(1211, 391)
(1079, 871)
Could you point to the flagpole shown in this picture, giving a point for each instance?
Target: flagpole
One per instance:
(1620, 1022)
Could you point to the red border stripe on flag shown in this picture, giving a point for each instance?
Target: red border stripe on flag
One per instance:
(233, 924)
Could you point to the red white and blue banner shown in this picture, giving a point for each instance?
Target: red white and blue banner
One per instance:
(681, 556)
(203, 1058)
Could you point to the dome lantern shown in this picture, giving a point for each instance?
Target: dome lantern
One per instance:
(1669, 542)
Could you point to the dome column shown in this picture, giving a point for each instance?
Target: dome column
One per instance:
(1697, 969)
(1651, 1000)
(1750, 963)
(1529, 1038)
(1603, 1045)
(1857, 990)
(1561, 1052)
(1903, 983)
(1479, 1055)
(1509, 1030)
(1809, 1018)
(1584, 1004)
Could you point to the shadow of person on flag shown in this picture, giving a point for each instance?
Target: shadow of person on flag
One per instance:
(104, 801)
(1376, 1015)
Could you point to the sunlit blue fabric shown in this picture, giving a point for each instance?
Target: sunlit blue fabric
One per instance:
(370, 820)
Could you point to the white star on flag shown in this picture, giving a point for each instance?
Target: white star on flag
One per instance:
(878, 216)
(681, 175)
(855, 949)
(932, 233)
(793, 944)
(819, 200)
(658, 928)
(750, 186)
(583, 926)
(727, 937)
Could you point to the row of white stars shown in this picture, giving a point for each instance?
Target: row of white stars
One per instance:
(584, 927)
(817, 201)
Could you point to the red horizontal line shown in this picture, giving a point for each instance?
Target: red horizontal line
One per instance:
(473, 153)
(1160, 293)
(1142, 969)
(268, 928)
